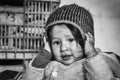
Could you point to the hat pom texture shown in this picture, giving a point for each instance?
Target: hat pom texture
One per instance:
(75, 15)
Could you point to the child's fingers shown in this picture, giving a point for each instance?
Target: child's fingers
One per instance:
(89, 45)
(91, 37)
(88, 38)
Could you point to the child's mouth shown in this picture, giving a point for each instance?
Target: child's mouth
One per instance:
(66, 57)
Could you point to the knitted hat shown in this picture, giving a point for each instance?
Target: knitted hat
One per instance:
(75, 15)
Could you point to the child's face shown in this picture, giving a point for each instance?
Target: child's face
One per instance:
(64, 46)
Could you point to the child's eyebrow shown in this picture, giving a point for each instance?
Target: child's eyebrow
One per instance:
(69, 36)
(55, 37)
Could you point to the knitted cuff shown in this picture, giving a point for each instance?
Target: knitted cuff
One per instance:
(40, 62)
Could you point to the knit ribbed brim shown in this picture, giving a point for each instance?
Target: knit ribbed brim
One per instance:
(75, 15)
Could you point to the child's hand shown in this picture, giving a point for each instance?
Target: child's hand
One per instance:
(89, 45)
(42, 59)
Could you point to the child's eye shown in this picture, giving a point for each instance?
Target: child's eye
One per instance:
(56, 42)
(71, 39)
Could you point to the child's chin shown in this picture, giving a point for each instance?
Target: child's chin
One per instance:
(67, 62)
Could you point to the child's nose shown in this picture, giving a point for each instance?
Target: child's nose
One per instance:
(64, 47)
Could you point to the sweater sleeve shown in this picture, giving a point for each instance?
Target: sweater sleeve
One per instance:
(114, 65)
(106, 66)
(33, 73)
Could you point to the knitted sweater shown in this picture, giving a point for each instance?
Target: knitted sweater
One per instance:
(58, 71)
(100, 67)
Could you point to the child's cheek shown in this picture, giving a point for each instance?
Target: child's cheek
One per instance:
(55, 48)
(73, 45)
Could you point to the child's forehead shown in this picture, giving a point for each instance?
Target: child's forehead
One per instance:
(61, 30)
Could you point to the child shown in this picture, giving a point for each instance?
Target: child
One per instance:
(70, 32)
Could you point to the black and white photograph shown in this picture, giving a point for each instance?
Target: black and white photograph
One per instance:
(59, 40)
